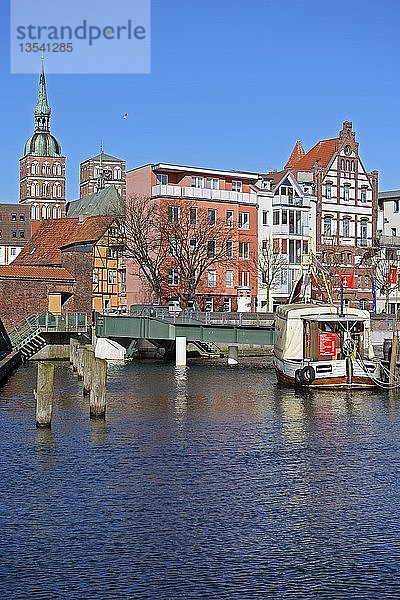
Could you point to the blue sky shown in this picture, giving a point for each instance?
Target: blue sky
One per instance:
(233, 85)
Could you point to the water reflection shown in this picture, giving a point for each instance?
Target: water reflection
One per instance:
(203, 482)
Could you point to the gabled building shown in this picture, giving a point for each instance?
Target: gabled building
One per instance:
(42, 167)
(74, 265)
(346, 206)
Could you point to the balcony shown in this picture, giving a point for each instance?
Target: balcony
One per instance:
(196, 193)
(292, 201)
(364, 243)
(389, 241)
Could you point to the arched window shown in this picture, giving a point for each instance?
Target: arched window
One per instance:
(55, 210)
(352, 165)
(347, 165)
(44, 211)
(35, 214)
(57, 190)
(35, 168)
(117, 173)
(45, 189)
(56, 169)
(48, 212)
(46, 169)
(35, 189)
(342, 164)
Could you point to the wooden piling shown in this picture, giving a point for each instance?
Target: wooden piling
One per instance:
(80, 351)
(88, 358)
(97, 399)
(393, 359)
(73, 345)
(44, 394)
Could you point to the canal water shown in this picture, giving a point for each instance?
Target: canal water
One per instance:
(205, 482)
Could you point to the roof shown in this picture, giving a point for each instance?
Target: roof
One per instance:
(28, 272)
(323, 151)
(276, 176)
(104, 202)
(297, 153)
(221, 172)
(105, 157)
(389, 194)
(44, 247)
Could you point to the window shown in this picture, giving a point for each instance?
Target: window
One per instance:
(193, 216)
(56, 169)
(13, 251)
(174, 247)
(162, 179)
(393, 231)
(244, 278)
(173, 214)
(173, 277)
(112, 277)
(14, 234)
(395, 205)
(112, 252)
(328, 191)
(95, 277)
(229, 279)
(275, 217)
(244, 249)
(244, 220)
(328, 226)
(192, 245)
(236, 186)
(229, 218)
(22, 217)
(363, 304)
(13, 217)
(22, 234)
(265, 217)
(35, 168)
(346, 227)
(346, 192)
(212, 183)
(363, 197)
(363, 230)
(117, 174)
(211, 278)
(211, 216)
(284, 217)
(229, 249)
(46, 169)
(211, 249)
(197, 181)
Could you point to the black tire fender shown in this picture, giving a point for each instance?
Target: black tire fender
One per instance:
(298, 377)
(308, 375)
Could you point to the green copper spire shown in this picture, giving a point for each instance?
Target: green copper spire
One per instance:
(42, 108)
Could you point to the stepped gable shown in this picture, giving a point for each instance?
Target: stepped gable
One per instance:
(45, 247)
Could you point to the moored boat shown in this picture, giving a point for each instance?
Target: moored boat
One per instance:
(322, 346)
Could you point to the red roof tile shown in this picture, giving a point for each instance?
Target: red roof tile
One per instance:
(27, 272)
(44, 247)
(322, 151)
(297, 153)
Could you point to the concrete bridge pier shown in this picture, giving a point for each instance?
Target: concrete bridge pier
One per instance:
(44, 394)
(180, 351)
(233, 355)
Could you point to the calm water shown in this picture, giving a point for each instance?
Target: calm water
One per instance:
(206, 482)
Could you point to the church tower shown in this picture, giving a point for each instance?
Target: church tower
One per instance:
(42, 168)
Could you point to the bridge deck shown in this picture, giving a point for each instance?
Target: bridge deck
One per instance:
(153, 328)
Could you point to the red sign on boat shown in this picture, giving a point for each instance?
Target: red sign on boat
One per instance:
(327, 344)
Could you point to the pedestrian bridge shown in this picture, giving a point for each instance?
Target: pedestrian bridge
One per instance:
(156, 324)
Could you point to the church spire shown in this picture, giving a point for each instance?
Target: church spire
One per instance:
(42, 108)
(296, 155)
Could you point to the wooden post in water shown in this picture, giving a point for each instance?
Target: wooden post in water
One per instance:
(393, 359)
(80, 352)
(97, 399)
(88, 359)
(73, 345)
(44, 394)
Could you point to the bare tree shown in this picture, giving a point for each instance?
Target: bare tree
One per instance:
(379, 261)
(270, 265)
(145, 239)
(198, 239)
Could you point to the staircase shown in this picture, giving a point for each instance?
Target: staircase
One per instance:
(207, 348)
(26, 338)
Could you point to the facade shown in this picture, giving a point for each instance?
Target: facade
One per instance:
(15, 231)
(42, 168)
(89, 250)
(346, 207)
(228, 198)
(286, 223)
(388, 246)
(101, 171)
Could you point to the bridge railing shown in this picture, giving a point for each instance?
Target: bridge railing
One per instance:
(188, 315)
(45, 323)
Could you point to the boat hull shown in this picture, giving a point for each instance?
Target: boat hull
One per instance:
(335, 378)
